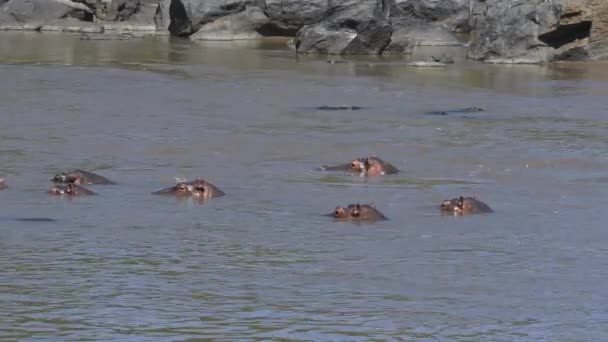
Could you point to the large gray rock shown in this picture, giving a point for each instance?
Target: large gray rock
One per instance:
(122, 10)
(536, 31)
(238, 26)
(35, 13)
(351, 27)
(91, 16)
(161, 17)
(450, 14)
(288, 16)
(188, 16)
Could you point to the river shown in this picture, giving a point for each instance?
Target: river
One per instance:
(262, 263)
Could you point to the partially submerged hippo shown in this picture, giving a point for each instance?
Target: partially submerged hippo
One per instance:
(69, 189)
(332, 108)
(464, 206)
(358, 213)
(80, 177)
(367, 166)
(198, 188)
(455, 111)
(3, 183)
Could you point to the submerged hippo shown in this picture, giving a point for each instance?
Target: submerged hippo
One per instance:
(464, 206)
(455, 111)
(331, 108)
(80, 177)
(358, 213)
(198, 188)
(69, 189)
(367, 166)
(3, 184)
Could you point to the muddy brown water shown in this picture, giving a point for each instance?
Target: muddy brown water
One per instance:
(262, 262)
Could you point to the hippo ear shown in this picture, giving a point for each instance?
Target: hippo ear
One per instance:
(358, 206)
(372, 205)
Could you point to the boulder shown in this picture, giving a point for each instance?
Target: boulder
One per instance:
(538, 30)
(288, 16)
(32, 14)
(238, 26)
(161, 17)
(450, 14)
(350, 27)
(122, 10)
(189, 16)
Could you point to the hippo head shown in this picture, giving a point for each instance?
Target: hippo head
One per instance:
(352, 211)
(183, 189)
(67, 189)
(359, 164)
(340, 213)
(455, 206)
(67, 178)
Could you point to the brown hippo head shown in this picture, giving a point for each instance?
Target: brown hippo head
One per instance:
(464, 206)
(80, 177)
(69, 189)
(179, 189)
(198, 189)
(367, 166)
(203, 190)
(358, 213)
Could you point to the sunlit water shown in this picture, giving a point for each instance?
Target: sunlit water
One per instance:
(262, 262)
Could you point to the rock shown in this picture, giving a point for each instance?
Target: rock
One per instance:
(72, 26)
(241, 25)
(288, 16)
(450, 14)
(538, 30)
(161, 17)
(189, 16)
(32, 14)
(352, 27)
(122, 10)
(110, 36)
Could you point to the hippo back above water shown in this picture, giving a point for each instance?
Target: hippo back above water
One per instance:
(81, 177)
(465, 206)
(367, 166)
(198, 188)
(358, 213)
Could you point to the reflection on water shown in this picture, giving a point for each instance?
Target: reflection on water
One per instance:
(263, 262)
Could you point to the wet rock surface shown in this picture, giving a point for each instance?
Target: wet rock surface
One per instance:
(538, 31)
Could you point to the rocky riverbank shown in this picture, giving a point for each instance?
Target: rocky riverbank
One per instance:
(499, 31)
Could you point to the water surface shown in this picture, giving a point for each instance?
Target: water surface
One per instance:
(262, 262)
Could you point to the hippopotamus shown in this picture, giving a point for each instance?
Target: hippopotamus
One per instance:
(455, 111)
(3, 183)
(80, 177)
(198, 188)
(464, 206)
(367, 166)
(70, 189)
(358, 213)
(332, 108)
